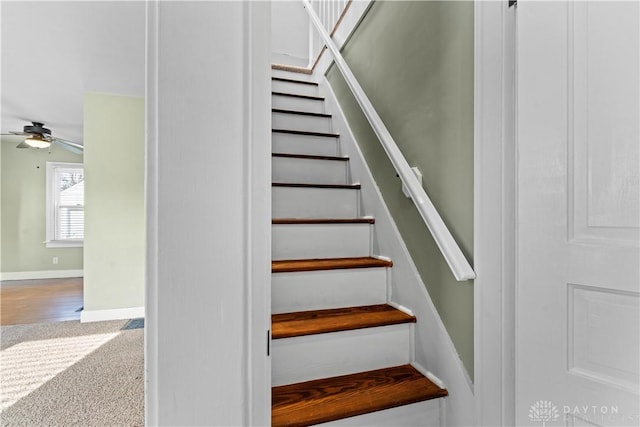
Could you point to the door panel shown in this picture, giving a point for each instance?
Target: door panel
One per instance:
(603, 121)
(578, 280)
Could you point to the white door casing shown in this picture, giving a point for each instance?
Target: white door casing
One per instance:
(494, 212)
(578, 281)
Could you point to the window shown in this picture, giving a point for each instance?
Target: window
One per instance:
(65, 204)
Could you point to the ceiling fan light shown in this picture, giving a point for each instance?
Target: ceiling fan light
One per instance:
(35, 142)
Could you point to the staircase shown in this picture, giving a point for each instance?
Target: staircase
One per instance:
(342, 353)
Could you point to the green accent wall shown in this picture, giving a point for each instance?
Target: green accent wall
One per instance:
(414, 60)
(23, 174)
(114, 202)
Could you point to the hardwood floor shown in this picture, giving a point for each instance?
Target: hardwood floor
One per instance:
(40, 301)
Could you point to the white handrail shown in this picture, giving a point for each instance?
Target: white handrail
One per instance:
(450, 250)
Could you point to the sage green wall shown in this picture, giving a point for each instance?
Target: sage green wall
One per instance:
(24, 174)
(114, 202)
(415, 62)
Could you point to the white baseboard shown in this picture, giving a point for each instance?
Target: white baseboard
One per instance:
(44, 274)
(87, 316)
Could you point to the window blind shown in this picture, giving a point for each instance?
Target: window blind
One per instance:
(69, 209)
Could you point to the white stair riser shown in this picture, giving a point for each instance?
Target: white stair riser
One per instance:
(297, 104)
(309, 171)
(339, 353)
(325, 289)
(304, 144)
(300, 122)
(309, 241)
(292, 75)
(304, 202)
(426, 414)
(292, 87)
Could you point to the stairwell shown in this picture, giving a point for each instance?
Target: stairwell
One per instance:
(342, 352)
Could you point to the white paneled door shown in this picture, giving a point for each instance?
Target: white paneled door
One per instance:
(577, 309)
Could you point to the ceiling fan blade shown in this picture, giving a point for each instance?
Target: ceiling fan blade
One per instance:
(23, 145)
(67, 142)
(68, 145)
(43, 138)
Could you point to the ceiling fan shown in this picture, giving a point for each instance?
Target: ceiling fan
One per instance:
(37, 136)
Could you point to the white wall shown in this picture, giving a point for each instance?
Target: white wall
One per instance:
(208, 206)
(290, 33)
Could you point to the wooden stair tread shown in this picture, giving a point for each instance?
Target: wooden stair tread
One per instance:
(301, 185)
(295, 95)
(323, 221)
(283, 79)
(301, 113)
(306, 132)
(301, 323)
(330, 399)
(309, 156)
(287, 266)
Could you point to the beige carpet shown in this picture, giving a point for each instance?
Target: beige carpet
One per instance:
(71, 374)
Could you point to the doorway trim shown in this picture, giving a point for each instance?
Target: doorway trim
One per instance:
(494, 212)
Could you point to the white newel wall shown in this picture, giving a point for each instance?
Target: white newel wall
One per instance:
(294, 40)
(290, 33)
(208, 213)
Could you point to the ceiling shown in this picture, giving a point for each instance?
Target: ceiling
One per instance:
(52, 52)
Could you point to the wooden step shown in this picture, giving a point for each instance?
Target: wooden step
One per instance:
(300, 144)
(309, 200)
(330, 399)
(299, 185)
(323, 289)
(311, 357)
(288, 99)
(301, 120)
(294, 85)
(283, 79)
(306, 132)
(301, 323)
(300, 113)
(310, 169)
(295, 95)
(330, 240)
(291, 265)
(309, 156)
(323, 221)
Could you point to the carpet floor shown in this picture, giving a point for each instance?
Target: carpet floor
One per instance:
(72, 374)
